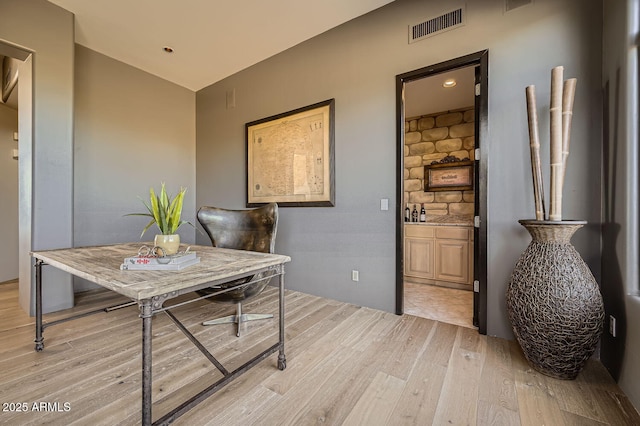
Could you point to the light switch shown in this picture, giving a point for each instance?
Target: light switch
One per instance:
(384, 204)
(15, 154)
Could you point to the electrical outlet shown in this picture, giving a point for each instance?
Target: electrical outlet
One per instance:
(612, 325)
(355, 275)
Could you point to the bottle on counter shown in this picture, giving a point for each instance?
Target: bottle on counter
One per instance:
(423, 214)
(414, 214)
(407, 214)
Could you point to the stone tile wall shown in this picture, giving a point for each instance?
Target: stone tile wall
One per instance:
(432, 137)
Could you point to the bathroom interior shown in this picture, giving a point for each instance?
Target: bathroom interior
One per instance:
(439, 198)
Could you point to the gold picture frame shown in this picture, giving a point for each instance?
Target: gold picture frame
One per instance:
(455, 176)
(290, 158)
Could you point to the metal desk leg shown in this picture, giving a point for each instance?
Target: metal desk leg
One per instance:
(146, 315)
(39, 339)
(282, 361)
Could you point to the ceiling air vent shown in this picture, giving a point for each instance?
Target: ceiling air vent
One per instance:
(433, 26)
(514, 4)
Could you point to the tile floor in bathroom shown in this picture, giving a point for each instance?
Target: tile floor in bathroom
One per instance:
(443, 304)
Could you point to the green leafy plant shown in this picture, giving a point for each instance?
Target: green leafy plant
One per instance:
(164, 211)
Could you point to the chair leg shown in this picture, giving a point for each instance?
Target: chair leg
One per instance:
(238, 319)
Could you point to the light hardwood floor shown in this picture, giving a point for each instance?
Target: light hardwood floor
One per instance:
(346, 365)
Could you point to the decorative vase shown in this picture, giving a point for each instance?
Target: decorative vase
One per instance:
(169, 243)
(554, 302)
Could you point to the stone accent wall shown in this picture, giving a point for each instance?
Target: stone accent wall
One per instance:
(433, 137)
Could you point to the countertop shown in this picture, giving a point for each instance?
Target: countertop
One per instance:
(445, 221)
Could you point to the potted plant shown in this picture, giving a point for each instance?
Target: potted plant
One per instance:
(166, 214)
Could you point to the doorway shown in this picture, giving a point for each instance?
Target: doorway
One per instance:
(445, 255)
(24, 105)
(9, 168)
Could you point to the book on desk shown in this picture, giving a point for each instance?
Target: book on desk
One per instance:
(154, 263)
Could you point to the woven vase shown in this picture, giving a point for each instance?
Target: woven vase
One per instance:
(554, 302)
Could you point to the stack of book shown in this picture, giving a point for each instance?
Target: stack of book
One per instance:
(153, 263)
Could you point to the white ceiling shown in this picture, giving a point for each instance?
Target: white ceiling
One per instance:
(212, 39)
(427, 95)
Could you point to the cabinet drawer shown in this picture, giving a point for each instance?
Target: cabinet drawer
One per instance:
(420, 231)
(452, 233)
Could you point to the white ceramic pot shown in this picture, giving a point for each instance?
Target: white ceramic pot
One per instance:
(170, 243)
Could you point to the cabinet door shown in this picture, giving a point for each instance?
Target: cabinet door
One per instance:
(452, 260)
(419, 257)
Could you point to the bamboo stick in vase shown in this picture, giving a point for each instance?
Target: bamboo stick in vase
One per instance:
(534, 146)
(568, 95)
(555, 111)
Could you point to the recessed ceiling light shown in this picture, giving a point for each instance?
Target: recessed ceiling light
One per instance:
(168, 49)
(449, 83)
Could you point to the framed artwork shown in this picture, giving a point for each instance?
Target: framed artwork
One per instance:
(290, 158)
(456, 176)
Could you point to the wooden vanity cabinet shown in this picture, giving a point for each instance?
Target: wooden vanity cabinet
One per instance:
(439, 254)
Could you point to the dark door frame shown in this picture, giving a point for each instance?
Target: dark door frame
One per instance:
(481, 61)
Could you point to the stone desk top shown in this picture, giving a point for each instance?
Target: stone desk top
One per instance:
(101, 265)
(445, 221)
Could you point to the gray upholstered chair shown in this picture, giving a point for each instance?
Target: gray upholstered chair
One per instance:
(254, 230)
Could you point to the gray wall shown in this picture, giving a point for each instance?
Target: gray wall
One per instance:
(46, 174)
(8, 194)
(356, 64)
(133, 131)
(620, 236)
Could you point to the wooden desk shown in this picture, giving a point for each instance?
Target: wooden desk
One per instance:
(151, 289)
